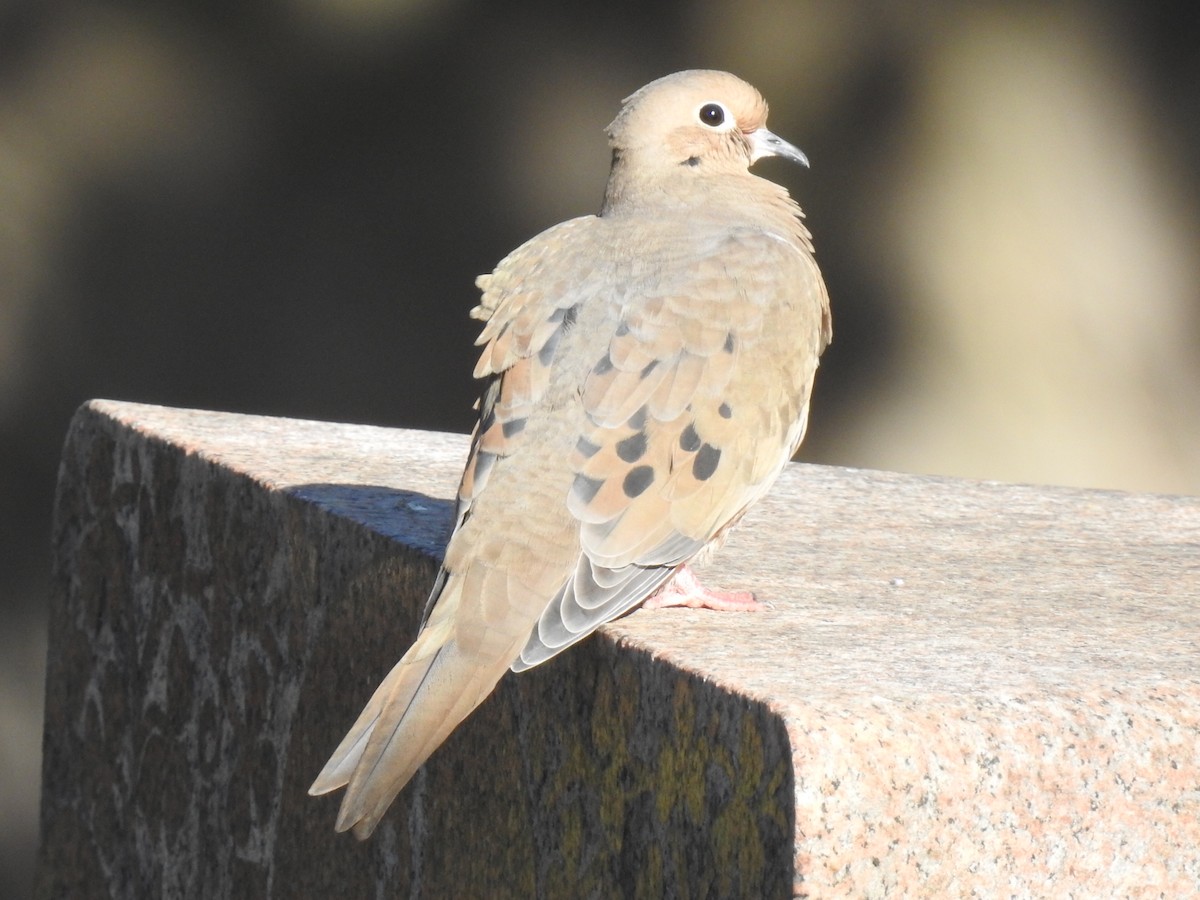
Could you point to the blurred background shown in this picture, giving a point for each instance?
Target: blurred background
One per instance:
(280, 208)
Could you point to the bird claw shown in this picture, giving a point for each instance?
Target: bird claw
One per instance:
(686, 590)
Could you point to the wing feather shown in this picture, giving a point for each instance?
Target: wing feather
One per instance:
(692, 412)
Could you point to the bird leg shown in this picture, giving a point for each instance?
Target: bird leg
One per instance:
(685, 589)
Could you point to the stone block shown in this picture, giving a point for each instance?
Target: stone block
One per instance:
(962, 688)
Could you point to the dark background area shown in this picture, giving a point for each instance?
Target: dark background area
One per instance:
(280, 208)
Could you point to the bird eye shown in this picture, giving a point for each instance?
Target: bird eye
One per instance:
(712, 114)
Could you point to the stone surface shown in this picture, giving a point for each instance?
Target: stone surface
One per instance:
(962, 689)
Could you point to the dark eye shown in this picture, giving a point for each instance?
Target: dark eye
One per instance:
(712, 114)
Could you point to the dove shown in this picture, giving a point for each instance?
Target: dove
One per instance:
(646, 376)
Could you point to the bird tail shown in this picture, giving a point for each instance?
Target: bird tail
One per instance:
(425, 696)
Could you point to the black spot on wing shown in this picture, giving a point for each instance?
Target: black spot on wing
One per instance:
(487, 403)
(586, 448)
(728, 348)
(565, 315)
(648, 368)
(637, 480)
(706, 462)
(513, 427)
(546, 354)
(586, 488)
(604, 366)
(488, 420)
(633, 447)
(725, 411)
(638, 420)
(689, 441)
(483, 466)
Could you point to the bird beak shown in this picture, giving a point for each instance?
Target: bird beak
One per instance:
(764, 143)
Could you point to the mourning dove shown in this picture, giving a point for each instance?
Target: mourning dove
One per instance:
(646, 374)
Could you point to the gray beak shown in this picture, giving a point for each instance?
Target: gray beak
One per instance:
(764, 143)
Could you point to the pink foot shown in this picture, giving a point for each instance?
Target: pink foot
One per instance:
(685, 589)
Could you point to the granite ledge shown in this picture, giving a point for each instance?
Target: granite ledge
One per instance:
(961, 688)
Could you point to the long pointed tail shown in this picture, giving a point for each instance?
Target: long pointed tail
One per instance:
(425, 696)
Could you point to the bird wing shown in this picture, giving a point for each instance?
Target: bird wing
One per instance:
(497, 573)
(699, 401)
(526, 310)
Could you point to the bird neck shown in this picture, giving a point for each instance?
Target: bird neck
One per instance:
(704, 191)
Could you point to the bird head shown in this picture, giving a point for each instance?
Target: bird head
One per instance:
(702, 120)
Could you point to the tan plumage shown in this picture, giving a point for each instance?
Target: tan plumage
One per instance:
(647, 374)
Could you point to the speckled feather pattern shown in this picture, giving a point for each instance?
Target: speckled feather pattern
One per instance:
(646, 377)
